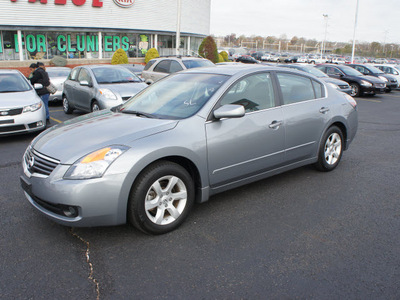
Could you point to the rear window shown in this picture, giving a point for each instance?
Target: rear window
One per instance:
(189, 64)
(149, 64)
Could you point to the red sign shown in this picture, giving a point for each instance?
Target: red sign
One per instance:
(95, 3)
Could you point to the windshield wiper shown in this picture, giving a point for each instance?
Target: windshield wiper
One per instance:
(9, 91)
(138, 113)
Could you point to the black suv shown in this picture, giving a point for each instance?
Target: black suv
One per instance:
(391, 82)
(360, 84)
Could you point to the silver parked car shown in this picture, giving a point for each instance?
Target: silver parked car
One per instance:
(183, 139)
(95, 87)
(338, 84)
(160, 67)
(57, 76)
(21, 109)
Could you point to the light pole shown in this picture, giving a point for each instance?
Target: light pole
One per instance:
(354, 34)
(178, 28)
(326, 29)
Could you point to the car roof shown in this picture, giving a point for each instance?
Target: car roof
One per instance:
(8, 71)
(101, 66)
(233, 69)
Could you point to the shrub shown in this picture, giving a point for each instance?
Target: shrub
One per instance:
(220, 58)
(151, 54)
(119, 57)
(208, 49)
(225, 55)
(58, 61)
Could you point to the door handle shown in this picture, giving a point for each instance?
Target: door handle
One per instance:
(275, 124)
(324, 110)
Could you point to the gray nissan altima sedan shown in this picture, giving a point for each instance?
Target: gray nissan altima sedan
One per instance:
(185, 138)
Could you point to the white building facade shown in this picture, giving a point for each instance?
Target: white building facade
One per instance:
(94, 29)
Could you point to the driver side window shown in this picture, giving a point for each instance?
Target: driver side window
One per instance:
(254, 92)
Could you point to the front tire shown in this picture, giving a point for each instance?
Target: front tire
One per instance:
(161, 198)
(355, 89)
(95, 106)
(330, 150)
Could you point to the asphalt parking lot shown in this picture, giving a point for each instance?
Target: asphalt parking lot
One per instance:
(299, 235)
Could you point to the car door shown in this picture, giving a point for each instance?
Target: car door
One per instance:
(71, 84)
(335, 73)
(250, 145)
(84, 90)
(306, 110)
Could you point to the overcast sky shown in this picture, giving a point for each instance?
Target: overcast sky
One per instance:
(378, 20)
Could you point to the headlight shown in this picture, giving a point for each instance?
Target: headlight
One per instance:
(108, 94)
(366, 83)
(383, 78)
(94, 164)
(32, 107)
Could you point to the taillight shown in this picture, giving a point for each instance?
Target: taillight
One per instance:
(351, 100)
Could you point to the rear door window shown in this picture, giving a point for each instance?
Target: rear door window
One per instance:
(296, 88)
(74, 74)
(163, 66)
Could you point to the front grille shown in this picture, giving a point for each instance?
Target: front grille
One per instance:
(126, 98)
(380, 85)
(11, 112)
(39, 163)
(12, 128)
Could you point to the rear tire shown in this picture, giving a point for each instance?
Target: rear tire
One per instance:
(330, 150)
(161, 198)
(66, 105)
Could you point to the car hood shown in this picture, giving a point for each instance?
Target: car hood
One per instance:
(80, 136)
(372, 79)
(125, 89)
(18, 99)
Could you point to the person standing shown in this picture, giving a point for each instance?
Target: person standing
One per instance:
(39, 75)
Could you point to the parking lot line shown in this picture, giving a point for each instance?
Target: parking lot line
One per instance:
(378, 101)
(58, 121)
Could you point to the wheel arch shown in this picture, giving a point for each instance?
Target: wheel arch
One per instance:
(343, 129)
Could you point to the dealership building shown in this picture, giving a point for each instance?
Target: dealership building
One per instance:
(94, 29)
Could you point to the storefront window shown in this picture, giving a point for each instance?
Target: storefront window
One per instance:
(195, 43)
(8, 46)
(165, 45)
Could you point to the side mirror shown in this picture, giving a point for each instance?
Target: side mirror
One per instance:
(229, 111)
(85, 83)
(38, 86)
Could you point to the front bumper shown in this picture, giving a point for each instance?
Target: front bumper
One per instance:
(77, 203)
(23, 123)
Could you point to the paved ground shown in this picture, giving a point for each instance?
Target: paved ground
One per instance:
(302, 234)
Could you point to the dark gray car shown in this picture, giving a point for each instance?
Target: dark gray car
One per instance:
(340, 85)
(183, 139)
(95, 87)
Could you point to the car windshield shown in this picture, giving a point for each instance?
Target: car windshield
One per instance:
(350, 71)
(196, 63)
(114, 75)
(58, 72)
(12, 83)
(375, 70)
(179, 96)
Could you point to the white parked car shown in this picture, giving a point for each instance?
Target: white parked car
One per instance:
(318, 59)
(57, 77)
(393, 70)
(21, 109)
